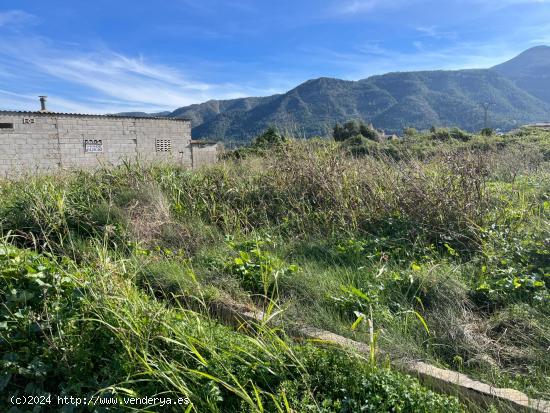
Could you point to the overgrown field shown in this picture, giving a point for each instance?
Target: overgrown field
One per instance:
(441, 243)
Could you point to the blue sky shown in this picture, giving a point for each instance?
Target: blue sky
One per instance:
(107, 56)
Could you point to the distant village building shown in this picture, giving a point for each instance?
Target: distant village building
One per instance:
(43, 141)
(545, 126)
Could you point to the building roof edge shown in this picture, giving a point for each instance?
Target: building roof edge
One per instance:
(89, 115)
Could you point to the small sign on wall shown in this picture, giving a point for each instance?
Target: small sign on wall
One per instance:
(93, 145)
(28, 121)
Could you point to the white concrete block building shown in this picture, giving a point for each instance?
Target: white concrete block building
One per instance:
(42, 141)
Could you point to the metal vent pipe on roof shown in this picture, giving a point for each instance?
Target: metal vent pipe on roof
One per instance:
(43, 103)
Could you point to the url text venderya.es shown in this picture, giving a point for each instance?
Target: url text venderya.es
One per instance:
(97, 401)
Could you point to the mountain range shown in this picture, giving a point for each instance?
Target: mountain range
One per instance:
(516, 92)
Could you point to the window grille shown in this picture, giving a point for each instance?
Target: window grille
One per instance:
(163, 145)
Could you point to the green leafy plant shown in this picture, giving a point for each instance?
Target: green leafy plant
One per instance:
(40, 303)
(257, 269)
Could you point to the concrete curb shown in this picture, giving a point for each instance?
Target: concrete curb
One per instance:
(438, 379)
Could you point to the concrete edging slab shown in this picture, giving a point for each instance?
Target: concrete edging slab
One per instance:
(441, 380)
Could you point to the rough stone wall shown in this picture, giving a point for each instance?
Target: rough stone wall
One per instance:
(45, 142)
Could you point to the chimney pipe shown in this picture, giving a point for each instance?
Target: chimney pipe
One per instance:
(43, 103)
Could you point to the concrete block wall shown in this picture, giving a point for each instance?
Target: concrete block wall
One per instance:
(44, 142)
(148, 131)
(204, 154)
(31, 147)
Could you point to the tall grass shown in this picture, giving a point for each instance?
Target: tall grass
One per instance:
(442, 246)
(89, 332)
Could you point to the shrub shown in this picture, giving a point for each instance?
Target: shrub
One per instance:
(271, 137)
(360, 146)
(442, 134)
(410, 132)
(515, 265)
(487, 132)
(358, 387)
(353, 128)
(459, 135)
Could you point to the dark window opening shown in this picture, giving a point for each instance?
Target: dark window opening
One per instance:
(6, 125)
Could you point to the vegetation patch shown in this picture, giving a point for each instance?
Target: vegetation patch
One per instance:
(76, 333)
(434, 247)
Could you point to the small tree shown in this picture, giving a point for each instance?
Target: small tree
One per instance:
(271, 137)
(353, 128)
(410, 132)
(487, 132)
(339, 133)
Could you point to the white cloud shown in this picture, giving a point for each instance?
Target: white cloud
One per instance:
(25, 101)
(511, 2)
(497, 5)
(428, 30)
(117, 81)
(351, 8)
(436, 33)
(16, 18)
(359, 6)
(372, 59)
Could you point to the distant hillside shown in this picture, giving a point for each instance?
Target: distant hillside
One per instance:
(518, 90)
(454, 98)
(391, 102)
(144, 114)
(205, 112)
(530, 71)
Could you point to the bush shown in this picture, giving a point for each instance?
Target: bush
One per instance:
(271, 137)
(410, 132)
(357, 387)
(354, 128)
(270, 140)
(360, 146)
(515, 264)
(443, 134)
(487, 132)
